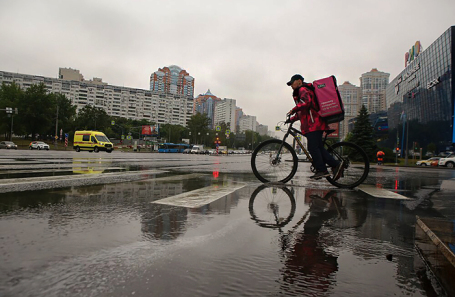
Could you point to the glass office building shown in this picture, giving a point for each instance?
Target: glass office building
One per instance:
(423, 96)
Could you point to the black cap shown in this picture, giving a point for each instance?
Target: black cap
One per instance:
(294, 78)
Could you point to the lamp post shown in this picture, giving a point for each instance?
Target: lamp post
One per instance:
(198, 133)
(56, 128)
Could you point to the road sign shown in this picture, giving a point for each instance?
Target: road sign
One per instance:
(218, 128)
(56, 137)
(228, 132)
(112, 123)
(123, 137)
(277, 128)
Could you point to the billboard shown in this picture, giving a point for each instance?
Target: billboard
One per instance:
(336, 127)
(151, 130)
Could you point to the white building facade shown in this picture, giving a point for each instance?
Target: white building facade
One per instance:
(351, 96)
(247, 122)
(225, 112)
(118, 101)
(373, 85)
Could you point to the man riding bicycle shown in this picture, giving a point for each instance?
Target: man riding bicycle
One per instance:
(312, 126)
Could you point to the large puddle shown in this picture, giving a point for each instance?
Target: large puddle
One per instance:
(113, 240)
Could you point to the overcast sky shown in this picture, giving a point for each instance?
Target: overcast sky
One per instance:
(240, 49)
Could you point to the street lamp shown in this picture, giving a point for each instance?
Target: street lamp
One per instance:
(198, 133)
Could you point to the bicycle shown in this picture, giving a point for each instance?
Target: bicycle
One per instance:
(275, 160)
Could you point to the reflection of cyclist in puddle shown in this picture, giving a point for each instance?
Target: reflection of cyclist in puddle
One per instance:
(308, 268)
(306, 260)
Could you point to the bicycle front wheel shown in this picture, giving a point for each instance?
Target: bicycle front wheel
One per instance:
(356, 164)
(272, 207)
(274, 161)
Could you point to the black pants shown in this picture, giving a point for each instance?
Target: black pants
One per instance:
(319, 154)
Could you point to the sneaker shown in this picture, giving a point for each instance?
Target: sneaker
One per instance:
(320, 174)
(338, 171)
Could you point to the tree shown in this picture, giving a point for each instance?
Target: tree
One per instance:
(92, 118)
(363, 134)
(66, 114)
(37, 110)
(198, 123)
(10, 96)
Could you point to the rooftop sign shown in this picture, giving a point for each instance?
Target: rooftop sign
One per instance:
(414, 51)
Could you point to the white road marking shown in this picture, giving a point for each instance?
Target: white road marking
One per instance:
(201, 197)
(381, 193)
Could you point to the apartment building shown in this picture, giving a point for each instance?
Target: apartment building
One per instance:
(373, 85)
(119, 101)
(247, 122)
(351, 96)
(205, 104)
(172, 80)
(262, 129)
(225, 112)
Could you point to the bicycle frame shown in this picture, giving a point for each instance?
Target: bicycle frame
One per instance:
(294, 133)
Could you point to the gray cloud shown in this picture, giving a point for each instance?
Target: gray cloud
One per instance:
(245, 50)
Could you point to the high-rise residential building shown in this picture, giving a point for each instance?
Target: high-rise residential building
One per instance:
(238, 115)
(70, 74)
(351, 96)
(247, 122)
(225, 112)
(172, 80)
(119, 101)
(373, 85)
(205, 103)
(262, 129)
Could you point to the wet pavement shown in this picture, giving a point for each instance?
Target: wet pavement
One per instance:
(142, 224)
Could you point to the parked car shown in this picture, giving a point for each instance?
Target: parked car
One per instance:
(427, 162)
(9, 145)
(38, 145)
(448, 161)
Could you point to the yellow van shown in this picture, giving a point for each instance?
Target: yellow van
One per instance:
(92, 141)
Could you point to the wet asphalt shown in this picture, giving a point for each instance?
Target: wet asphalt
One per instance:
(143, 224)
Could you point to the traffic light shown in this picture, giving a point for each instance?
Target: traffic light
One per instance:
(398, 149)
(416, 146)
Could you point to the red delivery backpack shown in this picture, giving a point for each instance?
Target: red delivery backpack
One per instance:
(329, 104)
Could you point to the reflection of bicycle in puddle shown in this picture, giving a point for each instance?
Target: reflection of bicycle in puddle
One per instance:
(308, 267)
(274, 206)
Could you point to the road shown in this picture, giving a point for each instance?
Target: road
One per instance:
(122, 224)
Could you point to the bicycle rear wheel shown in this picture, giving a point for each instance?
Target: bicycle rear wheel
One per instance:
(274, 161)
(356, 164)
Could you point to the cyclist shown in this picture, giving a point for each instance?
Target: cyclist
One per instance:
(313, 127)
